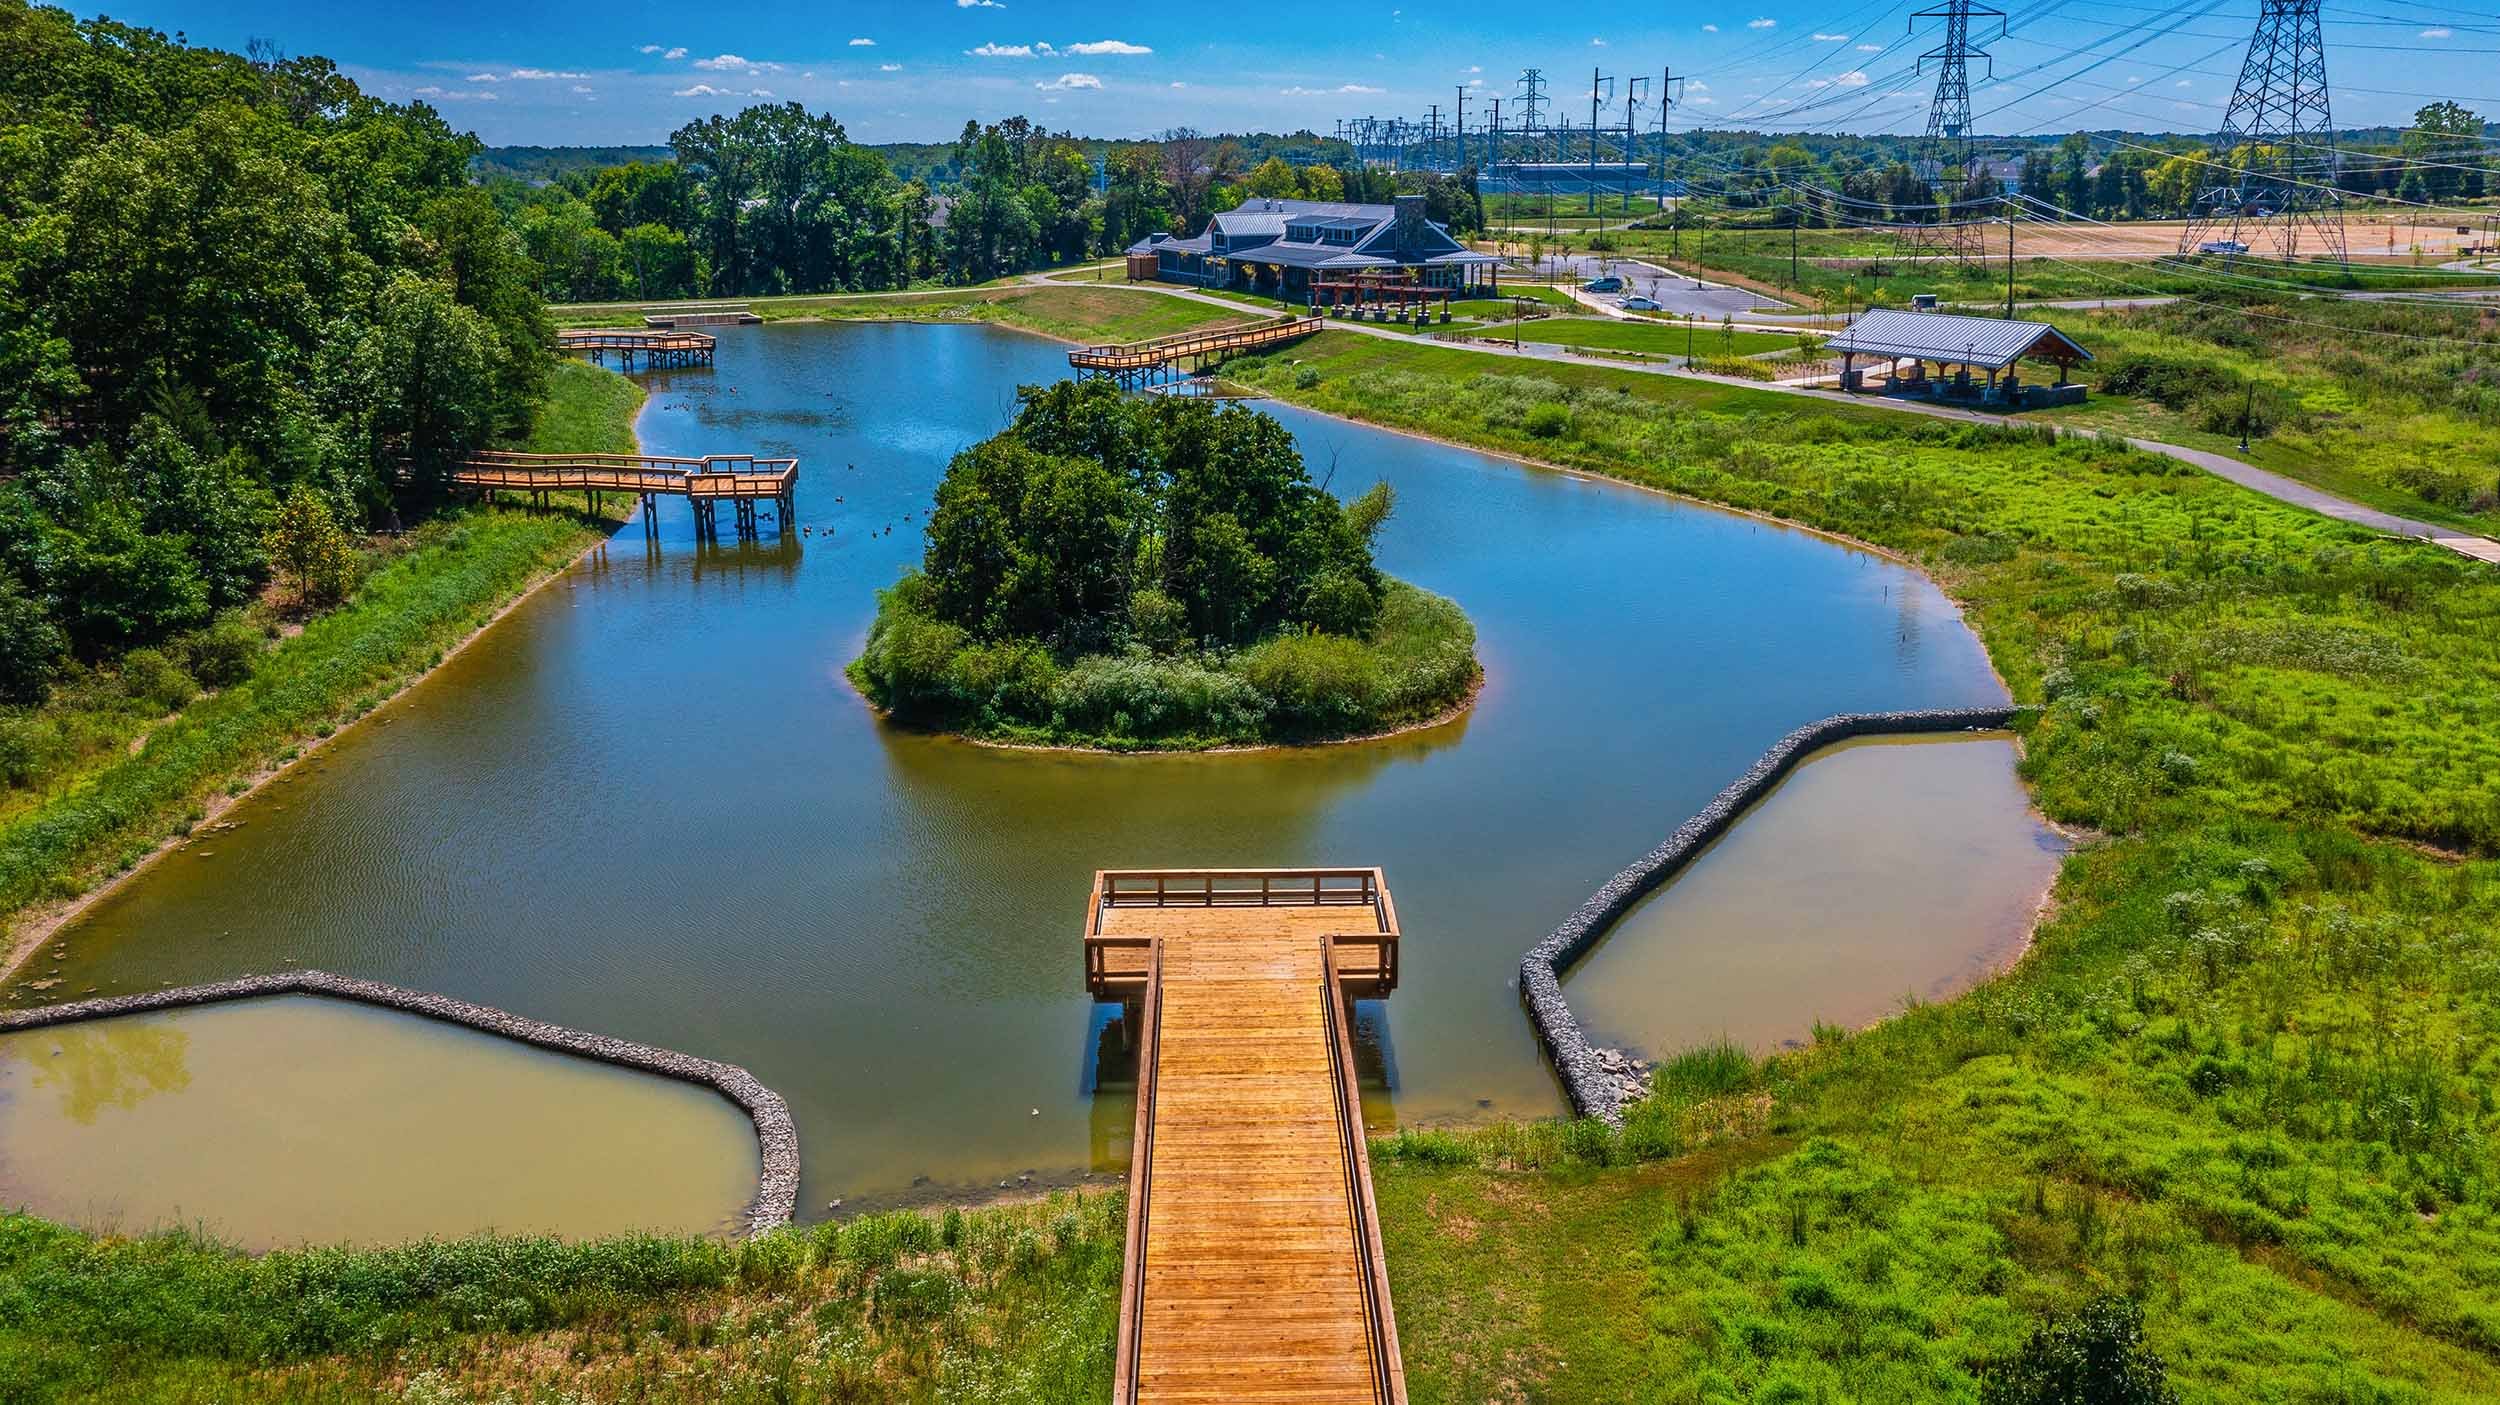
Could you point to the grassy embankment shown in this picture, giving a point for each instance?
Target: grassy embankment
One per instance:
(2245, 1072)
(123, 757)
(1418, 663)
(2393, 405)
(1014, 1303)
(1070, 312)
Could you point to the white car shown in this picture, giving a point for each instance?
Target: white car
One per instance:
(1636, 303)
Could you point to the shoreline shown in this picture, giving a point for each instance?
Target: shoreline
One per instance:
(39, 922)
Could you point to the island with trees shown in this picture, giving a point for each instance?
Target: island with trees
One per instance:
(1149, 573)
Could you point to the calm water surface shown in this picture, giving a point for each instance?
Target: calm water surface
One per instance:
(304, 1120)
(1878, 870)
(648, 804)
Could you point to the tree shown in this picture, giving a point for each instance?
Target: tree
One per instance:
(31, 646)
(2094, 1356)
(2447, 138)
(310, 549)
(1274, 180)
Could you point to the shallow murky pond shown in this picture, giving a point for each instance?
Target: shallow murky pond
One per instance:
(1878, 871)
(300, 1119)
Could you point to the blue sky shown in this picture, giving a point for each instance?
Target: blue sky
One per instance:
(622, 74)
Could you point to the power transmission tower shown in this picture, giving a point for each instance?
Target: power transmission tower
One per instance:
(2276, 152)
(1601, 92)
(1948, 123)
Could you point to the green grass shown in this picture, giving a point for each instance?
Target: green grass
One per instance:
(2243, 1076)
(101, 806)
(2390, 405)
(1071, 312)
(1853, 268)
(1014, 1303)
(1647, 337)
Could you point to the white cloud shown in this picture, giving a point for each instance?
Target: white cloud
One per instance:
(2437, 33)
(1108, 46)
(1475, 82)
(484, 78)
(540, 75)
(1475, 68)
(1066, 81)
(463, 95)
(979, 5)
(889, 68)
(1829, 38)
(1178, 84)
(1597, 43)
(1870, 48)
(1709, 29)
(648, 49)
(581, 87)
(863, 43)
(674, 54)
(1854, 78)
(1324, 92)
(1705, 102)
(1002, 51)
(2134, 78)
(1766, 22)
(2184, 83)
(723, 62)
(706, 90)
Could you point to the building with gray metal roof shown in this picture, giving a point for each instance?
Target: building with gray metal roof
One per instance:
(1992, 345)
(1283, 247)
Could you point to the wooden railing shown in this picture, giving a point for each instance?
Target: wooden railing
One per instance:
(615, 339)
(1355, 889)
(713, 476)
(1380, 1323)
(1162, 351)
(1140, 1187)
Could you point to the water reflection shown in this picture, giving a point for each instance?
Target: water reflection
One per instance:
(91, 1068)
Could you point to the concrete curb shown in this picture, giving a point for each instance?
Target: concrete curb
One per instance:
(1592, 1091)
(776, 1136)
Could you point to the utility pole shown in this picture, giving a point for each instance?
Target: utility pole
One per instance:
(1595, 83)
(2277, 145)
(2009, 268)
(1796, 216)
(1432, 134)
(1461, 125)
(1634, 90)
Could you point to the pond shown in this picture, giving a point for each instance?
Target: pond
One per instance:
(1879, 871)
(305, 1120)
(648, 804)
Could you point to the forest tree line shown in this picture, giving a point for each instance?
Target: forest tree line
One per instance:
(776, 199)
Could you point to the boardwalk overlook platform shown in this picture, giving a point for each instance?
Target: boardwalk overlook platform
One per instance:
(1254, 1269)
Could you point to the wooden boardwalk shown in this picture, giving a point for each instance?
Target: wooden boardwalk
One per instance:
(1134, 361)
(741, 480)
(1254, 1269)
(656, 347)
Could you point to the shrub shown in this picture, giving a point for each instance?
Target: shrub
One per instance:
(2094, 1356)
(222, 655)
(1548, 421)
(1315, 682)
(149, 677)
(31, 647)
(1306, 378)
(21, 749)
(2174, 381)
(1156, 620)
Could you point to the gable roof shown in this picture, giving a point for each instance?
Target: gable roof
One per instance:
(1990, 342)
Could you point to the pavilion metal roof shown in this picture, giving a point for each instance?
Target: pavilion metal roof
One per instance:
(1992, 343)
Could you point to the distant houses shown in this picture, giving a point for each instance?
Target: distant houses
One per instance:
(1283, 247)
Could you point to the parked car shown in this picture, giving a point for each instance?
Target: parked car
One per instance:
(1636, 303)
(2222, 246)
(1602, 285)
